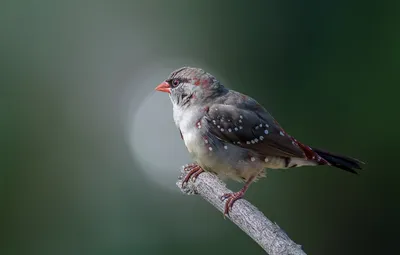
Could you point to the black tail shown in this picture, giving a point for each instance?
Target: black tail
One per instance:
(342, 162)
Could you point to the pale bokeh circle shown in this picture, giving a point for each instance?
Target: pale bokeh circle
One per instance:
(154, 139)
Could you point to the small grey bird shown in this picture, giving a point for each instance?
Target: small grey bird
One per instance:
(231, 135)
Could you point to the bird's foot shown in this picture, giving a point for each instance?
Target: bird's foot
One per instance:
(194, 171)
(231, 199)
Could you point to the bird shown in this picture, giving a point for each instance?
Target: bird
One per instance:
(231, 135)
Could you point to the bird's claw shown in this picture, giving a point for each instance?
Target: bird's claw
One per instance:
(230, 200)
(193, 172)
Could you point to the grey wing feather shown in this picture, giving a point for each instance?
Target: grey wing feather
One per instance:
(252, 128)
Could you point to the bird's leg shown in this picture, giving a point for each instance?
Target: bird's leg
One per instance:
(232, 197)
(194, 171)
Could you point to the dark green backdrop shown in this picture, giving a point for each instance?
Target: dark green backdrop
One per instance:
(70, 184)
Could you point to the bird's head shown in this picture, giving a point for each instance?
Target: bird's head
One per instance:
(191, 86)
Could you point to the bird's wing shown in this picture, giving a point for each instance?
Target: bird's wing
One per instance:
(251, 127)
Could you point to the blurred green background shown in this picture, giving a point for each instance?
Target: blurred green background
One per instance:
(73, 179)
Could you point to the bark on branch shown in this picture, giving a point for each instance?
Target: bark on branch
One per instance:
(246, 216)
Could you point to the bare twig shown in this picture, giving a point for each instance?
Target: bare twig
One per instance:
(246, 216)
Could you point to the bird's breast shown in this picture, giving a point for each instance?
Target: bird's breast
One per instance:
(191, 125)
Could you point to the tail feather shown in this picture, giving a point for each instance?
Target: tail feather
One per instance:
(343, 162)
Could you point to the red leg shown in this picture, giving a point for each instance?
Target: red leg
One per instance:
(194, 171)
(232, 197)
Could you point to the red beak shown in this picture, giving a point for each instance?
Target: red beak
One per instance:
(164, 87)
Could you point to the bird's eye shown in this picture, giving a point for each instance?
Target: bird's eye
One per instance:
(175, 82)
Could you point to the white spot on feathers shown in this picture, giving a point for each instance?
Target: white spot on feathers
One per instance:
(261, 137)
(225, 147)
(281, 133)
(229, 130)
(236, 129)
(248, 142)
(210, 148)
(266, 131)
(253, 159)
(241, 116)
(266, 159)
